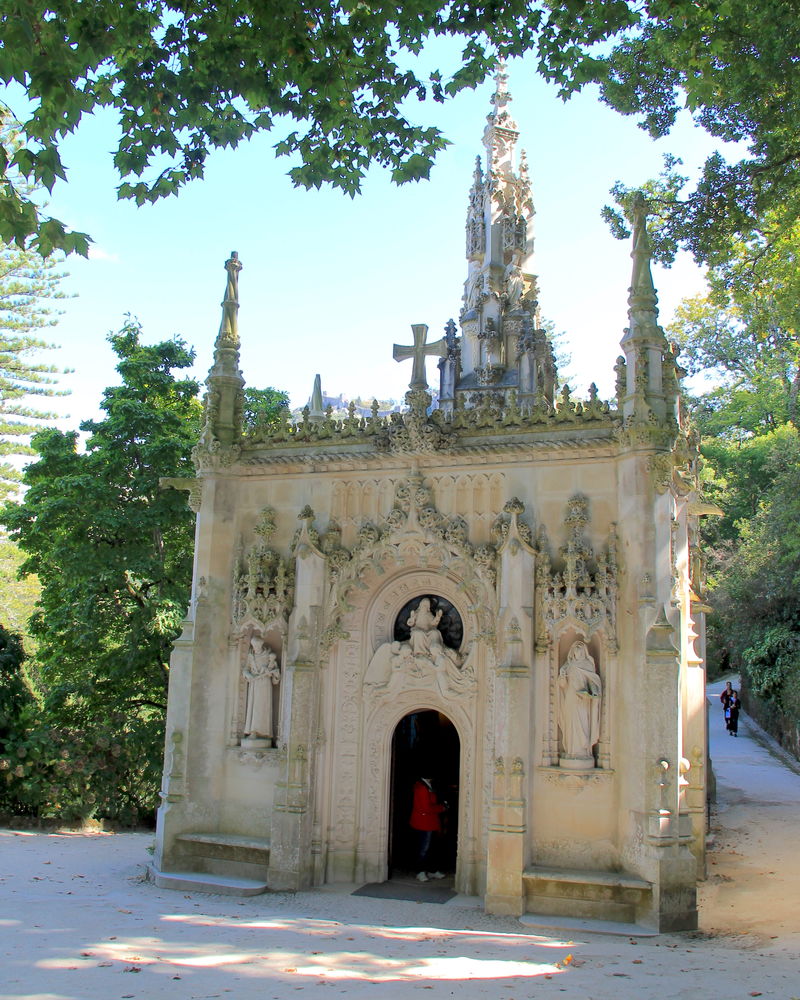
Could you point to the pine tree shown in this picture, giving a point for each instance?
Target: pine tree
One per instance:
(28, 285)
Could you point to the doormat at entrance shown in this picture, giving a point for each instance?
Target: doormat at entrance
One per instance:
(413, 892)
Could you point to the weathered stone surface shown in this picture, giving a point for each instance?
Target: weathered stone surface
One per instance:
(517, 564)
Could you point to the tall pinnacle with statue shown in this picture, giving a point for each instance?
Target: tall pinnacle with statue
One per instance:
(503, 347)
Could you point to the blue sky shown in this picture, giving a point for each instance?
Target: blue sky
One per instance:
(329, 283)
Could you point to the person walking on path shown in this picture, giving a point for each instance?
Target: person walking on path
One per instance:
(725, 698)
(732, 714)
(426, 820)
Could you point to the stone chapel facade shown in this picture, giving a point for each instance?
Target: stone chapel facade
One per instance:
(503, 591)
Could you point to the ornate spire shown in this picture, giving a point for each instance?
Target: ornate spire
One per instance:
(645, 346)
(499, 319)
(224, 401)
(229, 327)
(501, 116)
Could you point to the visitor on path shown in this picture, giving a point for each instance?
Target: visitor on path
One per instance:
(725, 698)
(426, 820)
(732, 714)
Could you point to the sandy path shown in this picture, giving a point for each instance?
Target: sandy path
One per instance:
(77, 922)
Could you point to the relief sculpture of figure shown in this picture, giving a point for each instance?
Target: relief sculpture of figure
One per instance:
(425, 635)
(579, 697)
(262, 673)
(424, 654)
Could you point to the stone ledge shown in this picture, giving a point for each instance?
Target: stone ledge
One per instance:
(614, 880)
(225, 840)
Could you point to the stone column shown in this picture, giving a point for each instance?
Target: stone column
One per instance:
(672, 867)
(507, 847)
(291, 863)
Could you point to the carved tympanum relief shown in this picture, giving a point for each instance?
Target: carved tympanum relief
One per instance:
(422, 652)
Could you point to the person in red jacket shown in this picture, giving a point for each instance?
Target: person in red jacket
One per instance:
(426, 820)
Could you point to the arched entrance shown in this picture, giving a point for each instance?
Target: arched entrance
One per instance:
(424, 742)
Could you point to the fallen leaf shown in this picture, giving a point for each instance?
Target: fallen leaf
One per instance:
(131, 968)
(636, 961)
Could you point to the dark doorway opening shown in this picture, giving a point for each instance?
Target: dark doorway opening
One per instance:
(424, 743)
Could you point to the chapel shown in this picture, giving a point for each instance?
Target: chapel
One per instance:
(502, 593)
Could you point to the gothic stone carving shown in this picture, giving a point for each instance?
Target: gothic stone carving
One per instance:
(262, 673)
(263, 586)
(579, 701)
(584, 593)
(424, 657)
(413, 533)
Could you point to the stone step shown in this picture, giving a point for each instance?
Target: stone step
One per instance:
(224, 885)
(597, 895)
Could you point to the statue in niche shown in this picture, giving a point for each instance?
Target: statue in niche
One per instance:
(421, 651)
(262, 673)
(580, 693)
(475, 290)
(514, 281)
(426, 639)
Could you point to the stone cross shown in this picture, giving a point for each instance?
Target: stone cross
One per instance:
(419, 351)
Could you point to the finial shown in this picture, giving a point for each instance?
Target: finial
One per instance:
(229, 327)
(642, 287)
(316, 410)
(501, 116)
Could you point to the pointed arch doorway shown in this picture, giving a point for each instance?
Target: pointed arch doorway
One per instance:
(424, 742)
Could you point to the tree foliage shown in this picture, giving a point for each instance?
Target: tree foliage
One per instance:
(336, 81)
(263, 406)
(27, 284)
(113, 553)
